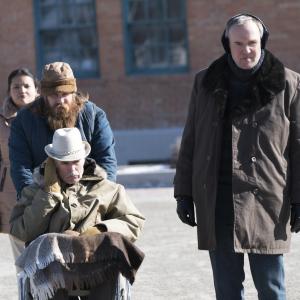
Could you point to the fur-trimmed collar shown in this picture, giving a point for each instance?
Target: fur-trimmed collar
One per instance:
(9, 109)
(269, 81)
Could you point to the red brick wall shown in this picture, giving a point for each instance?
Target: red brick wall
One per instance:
(159, 100)
(207, 19)
(17, 44)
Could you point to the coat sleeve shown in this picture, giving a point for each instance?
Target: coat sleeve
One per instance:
(20, 156)
(295, 144)
(184, 165)
(122, 216)
(103, 144)
(32, 213)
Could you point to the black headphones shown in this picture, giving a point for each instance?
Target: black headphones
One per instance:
(225, 40)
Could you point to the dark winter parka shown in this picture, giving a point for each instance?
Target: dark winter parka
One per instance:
(265, 156)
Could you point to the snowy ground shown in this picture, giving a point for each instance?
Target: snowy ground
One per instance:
(173, 267)
(146, 176)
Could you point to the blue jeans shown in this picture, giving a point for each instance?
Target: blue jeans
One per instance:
(228, 271)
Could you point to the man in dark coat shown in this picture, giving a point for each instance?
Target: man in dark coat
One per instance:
(59, 106)
(239, 162)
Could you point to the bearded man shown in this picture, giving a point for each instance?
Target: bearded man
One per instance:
(60, 105)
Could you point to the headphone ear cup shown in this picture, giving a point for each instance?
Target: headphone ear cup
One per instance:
(225, 43)
(265, 37)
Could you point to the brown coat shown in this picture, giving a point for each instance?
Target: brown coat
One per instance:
(93, 201)
(7, 191)
(265, 161)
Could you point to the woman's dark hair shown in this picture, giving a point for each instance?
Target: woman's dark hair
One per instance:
(20, 72)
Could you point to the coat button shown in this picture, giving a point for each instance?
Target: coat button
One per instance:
(254, 124)
(255, 191)
(253, 159)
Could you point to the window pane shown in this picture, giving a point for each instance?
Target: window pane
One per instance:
(178, 55)
(139, 36)
(67, 32)
(150, 56)
(176, 34)
(156, 35)
(83, 14)
(174, 9)
(50, 39)
(158, 56)
(147, 35)
(52, 55)
(86, 36)
(83, 1)
(136, 11)
(47, 2)
(88, 59)
(66, 14)
(141, 56)
(48, 16)
(69, 38)
(155, 9)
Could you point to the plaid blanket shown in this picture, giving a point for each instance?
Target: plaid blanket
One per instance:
(53, 261)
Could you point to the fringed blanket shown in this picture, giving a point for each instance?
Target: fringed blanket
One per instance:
(53, 261)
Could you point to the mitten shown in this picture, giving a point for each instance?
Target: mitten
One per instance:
(52, 184)
(185, 210)
(94, 230)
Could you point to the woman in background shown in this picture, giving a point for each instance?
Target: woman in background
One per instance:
(22, 90)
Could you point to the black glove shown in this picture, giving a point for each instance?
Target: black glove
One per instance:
(185, 210)
(295, 218)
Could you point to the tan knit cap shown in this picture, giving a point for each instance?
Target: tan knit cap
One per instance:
(57, 77)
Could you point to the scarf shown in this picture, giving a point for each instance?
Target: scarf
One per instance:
(58, 261)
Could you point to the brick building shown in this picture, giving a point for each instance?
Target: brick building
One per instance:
(136, 58)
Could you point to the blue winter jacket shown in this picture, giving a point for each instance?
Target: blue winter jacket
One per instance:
(30, 133)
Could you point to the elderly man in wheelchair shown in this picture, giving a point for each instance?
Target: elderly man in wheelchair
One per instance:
(78, 227)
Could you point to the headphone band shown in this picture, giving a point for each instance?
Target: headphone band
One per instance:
(230, 22)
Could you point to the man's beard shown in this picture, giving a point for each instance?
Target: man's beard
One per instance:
(62, 115)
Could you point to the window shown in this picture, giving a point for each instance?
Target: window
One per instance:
(155, 36)
(66, 31)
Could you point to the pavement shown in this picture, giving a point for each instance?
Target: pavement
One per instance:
(173, 268)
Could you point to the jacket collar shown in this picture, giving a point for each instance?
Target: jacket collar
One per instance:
(92, 172)
(269, 81)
